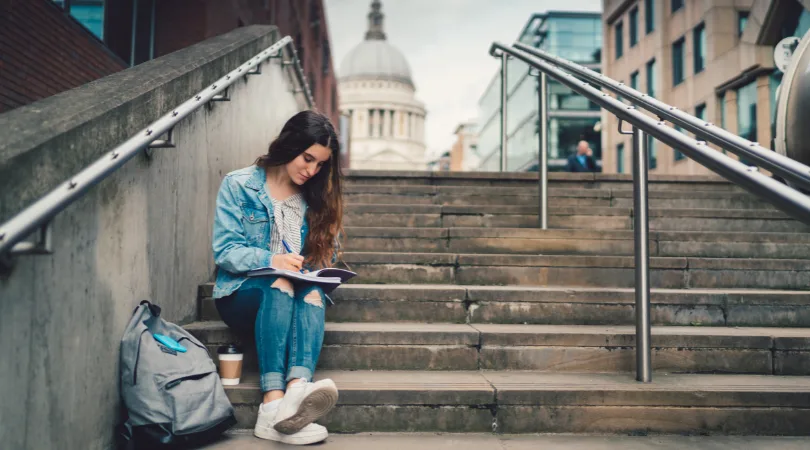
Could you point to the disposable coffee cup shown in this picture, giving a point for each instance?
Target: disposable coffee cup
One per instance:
(230, 364)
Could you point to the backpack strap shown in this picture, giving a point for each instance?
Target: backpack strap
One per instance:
(154, 309)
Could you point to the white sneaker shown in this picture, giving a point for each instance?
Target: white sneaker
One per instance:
(305, 403)
(310, 434)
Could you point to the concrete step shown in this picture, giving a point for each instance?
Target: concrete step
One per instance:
(558, 197)
(575, 270)
(532, 188)
(529, 180)
(576, 242)
(555, 305)
(243, 439)
(553, 348)
(534, 402)
(602, 218)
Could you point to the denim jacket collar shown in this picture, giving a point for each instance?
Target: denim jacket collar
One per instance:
(258, 182)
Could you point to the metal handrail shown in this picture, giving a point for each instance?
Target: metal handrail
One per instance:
(791, 201)
(39, 214)
(784, 197)
(766, 158)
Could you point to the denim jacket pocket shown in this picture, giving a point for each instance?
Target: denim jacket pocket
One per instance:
(256, 222)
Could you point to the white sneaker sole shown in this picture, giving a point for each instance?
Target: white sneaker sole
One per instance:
(314, 406)
(294, 439)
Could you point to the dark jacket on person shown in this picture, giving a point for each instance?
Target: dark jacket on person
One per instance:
(574, 165)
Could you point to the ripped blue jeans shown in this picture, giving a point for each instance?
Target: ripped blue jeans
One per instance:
(288, 327)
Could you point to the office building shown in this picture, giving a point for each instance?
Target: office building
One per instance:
(575, 36)
(710, 58)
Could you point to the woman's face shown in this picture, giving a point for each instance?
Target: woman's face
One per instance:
(308, 163)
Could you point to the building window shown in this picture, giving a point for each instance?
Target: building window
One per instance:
(634, 80)
(560, 97)
(677, 62)
(742, 20)
(678, 155)
(633, 26)
(774, 80)
(649, 16)
(796, 22)
(89, 13)
(371, 119)
(699, 50)
(651, 78)
(619, 31)
(675, 5)
(652, 153)
(564, 134)
(620, 158)
(299, 48)
(700, 111)
(721, 103)
(326, 57)
(313, 12)
(747, 111)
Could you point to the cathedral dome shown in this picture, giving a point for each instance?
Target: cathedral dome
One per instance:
(375, 58)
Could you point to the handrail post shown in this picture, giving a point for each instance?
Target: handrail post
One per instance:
(542, 135)
(504, 61)
(641, 231)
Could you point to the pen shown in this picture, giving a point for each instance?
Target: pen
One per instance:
(289, 250)
(286, 246)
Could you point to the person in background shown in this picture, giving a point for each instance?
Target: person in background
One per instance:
(583, 160)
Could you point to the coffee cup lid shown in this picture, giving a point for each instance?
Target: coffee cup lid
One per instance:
(230, 349)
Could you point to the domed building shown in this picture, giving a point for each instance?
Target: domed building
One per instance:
(378, 94)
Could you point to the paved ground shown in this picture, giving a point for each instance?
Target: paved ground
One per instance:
(431, 441)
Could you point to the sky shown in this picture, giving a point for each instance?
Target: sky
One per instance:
(446, 43)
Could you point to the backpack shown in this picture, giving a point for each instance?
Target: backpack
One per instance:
(173, 399)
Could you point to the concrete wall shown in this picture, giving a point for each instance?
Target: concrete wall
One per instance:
(144, 233)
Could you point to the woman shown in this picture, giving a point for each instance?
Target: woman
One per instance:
(290, 199)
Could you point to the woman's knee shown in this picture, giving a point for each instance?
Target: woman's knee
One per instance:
(284, 285)
(314, 296)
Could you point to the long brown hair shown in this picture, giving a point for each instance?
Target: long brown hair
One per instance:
(322, 192)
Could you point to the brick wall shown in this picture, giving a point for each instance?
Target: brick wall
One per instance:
(44, 52)
(180, 23)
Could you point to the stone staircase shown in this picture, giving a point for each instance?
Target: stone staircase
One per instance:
(467, 318)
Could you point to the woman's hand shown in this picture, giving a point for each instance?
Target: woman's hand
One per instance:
(288, 261)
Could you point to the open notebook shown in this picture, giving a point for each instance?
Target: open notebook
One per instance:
(327, 279)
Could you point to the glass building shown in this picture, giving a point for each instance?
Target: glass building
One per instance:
(571, 118)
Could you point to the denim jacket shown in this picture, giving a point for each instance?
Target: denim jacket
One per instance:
(242, 230)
